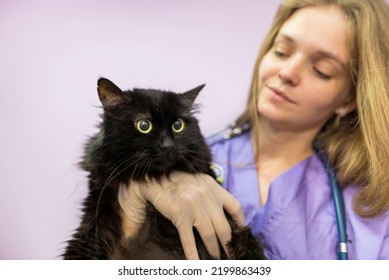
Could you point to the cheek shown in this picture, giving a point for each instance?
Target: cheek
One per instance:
(320, 104)
(267, 69)
(327, 96)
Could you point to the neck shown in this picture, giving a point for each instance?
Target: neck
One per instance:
(282, 147)
(278, 150)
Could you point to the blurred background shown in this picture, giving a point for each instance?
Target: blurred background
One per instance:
(51, 54)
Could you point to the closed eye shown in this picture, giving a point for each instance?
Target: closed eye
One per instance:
(321, 74)
(280, 54)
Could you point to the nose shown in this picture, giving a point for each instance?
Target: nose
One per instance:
(167, 144)
(290, 72)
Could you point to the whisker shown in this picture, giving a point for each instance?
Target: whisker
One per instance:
(125, 161)
(196, 156)
(109, 180)
(146, 167)
(190, 167)
(187, 164)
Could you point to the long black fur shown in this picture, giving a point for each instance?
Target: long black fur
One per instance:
(120, 152)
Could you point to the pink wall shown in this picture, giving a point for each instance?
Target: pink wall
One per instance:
(52, 53)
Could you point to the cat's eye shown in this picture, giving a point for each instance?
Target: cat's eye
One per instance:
(178, 126)
(144, 126)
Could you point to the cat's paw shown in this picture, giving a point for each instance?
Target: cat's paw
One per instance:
(244, 246)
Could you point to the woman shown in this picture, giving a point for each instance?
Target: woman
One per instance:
(321, 83)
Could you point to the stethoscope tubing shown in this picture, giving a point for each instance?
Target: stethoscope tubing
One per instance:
(339, 209)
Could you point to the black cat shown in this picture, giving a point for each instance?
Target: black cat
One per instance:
(143, 132)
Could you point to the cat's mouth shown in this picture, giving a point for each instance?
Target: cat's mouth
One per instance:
(169, 158)
(165, 160)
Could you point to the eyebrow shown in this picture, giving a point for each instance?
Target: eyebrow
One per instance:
(319, 53)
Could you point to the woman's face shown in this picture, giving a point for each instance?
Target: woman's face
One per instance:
(304, 78)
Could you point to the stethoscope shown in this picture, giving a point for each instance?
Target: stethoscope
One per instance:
(339, 208)
(336, 190)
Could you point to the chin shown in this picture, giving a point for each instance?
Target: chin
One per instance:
(271, 112)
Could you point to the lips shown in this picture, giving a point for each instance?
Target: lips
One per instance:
(281, 94)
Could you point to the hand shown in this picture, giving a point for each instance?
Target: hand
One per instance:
(189, 201)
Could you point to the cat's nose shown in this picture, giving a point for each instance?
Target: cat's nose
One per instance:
(167, 144)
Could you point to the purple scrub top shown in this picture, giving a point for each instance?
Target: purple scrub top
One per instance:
(298, 220)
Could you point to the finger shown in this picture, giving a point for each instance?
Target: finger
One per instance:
(223, 230)
(209, 238)
(232, 206)
(188, 242)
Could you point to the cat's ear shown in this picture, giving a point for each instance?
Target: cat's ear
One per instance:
(110, 95)
(192, 94)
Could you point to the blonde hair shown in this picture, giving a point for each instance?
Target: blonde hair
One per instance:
(357, 144)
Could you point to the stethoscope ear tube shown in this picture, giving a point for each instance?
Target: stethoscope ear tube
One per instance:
(339, 208)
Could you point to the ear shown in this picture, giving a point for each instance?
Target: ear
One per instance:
(349, 105)
(110, 95)
(192, 94)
